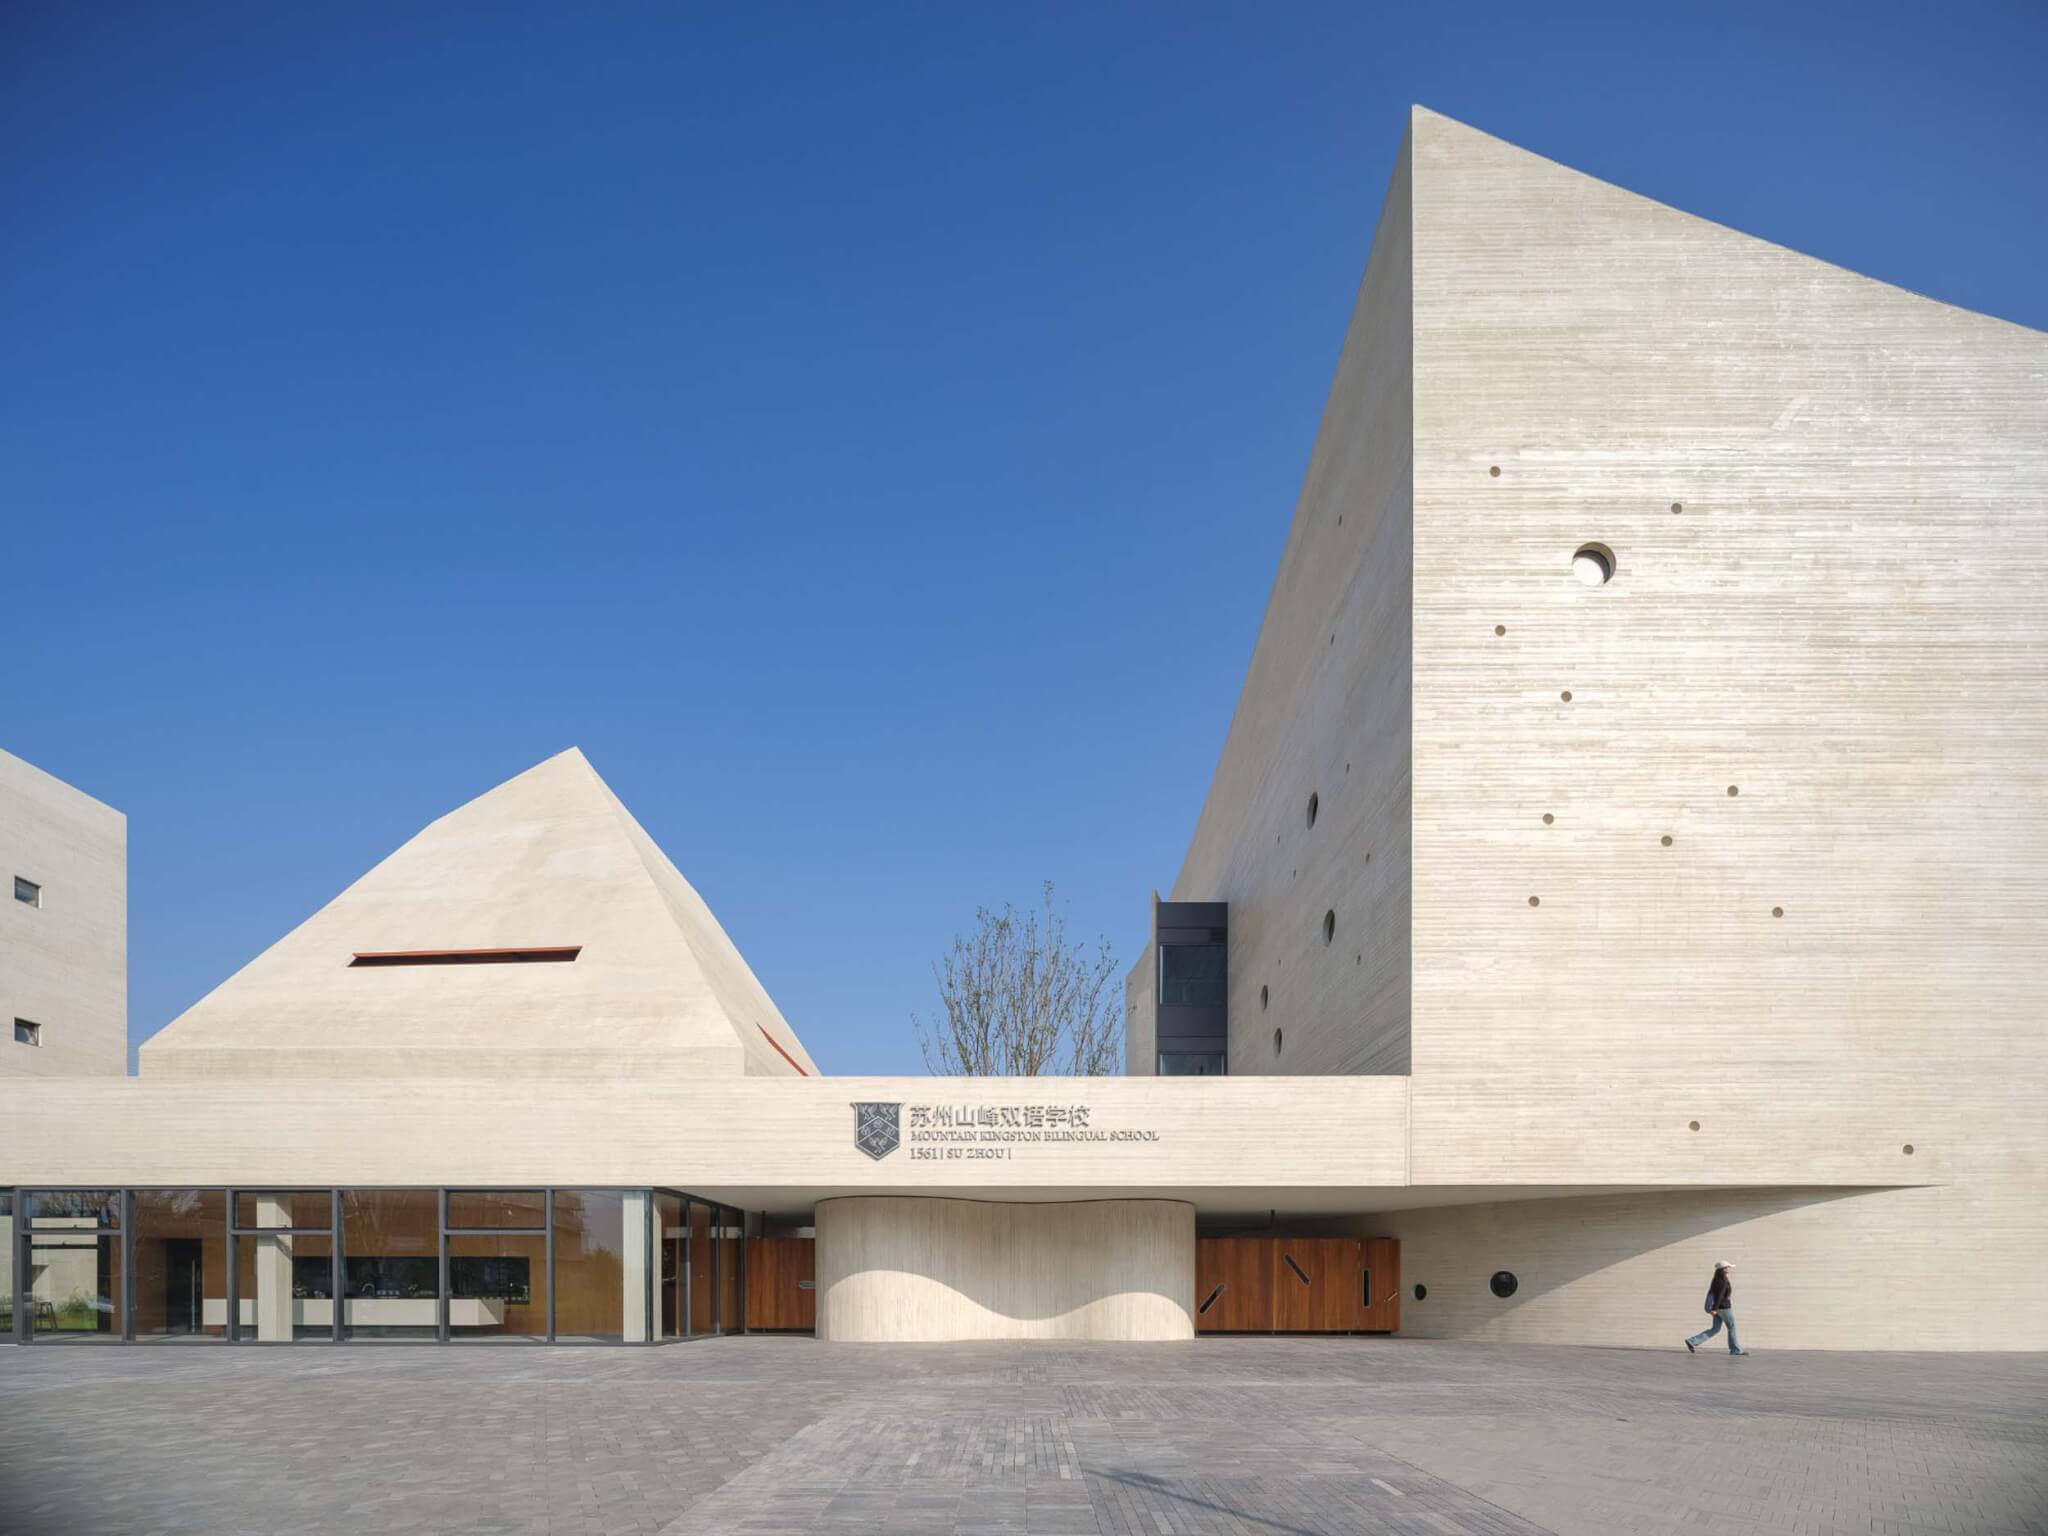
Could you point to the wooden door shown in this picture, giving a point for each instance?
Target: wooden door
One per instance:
(1233, 1284)
(781, 1280)
(1382, 1285)
(1317, 1284)
(1297, 1285)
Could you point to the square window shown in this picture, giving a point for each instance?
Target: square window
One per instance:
(28, 891)
(26, 1033)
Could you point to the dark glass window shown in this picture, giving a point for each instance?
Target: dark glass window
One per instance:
(1504, 1283)
(1191, 976)
(1186, 1064)
(28, 891)
(26, 1033)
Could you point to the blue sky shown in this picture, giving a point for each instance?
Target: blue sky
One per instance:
(822, 417)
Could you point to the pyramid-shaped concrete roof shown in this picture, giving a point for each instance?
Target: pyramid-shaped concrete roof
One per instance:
(549, 860)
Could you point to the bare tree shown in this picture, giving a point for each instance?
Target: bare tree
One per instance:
(1021, 1000)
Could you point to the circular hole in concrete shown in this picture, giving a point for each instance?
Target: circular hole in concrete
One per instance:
(1734, 790)
(1421, 1292)
(1907, 1149)
(1504, 1284)
(1777, 911)
(1535, 901)
(1677, 506)
(1493, 470)
(1500, 629)
(1667, 839)
(1692, 1125)
(1329, 926)
(1566, 695)
(1593, 565)
(1548, 818)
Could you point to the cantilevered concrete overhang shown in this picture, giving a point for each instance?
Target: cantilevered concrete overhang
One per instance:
(1228, 1145)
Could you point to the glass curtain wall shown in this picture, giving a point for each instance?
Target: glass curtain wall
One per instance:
(713, 1256)
(282, 1276)
(594, 1289)
(391, 1263)
(497, 1246)
(72, 1261)
(180, 1255)
(278, 1266)
(7, 1248)
(672, 1234)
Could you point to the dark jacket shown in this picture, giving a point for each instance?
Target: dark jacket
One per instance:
(1721, 1293)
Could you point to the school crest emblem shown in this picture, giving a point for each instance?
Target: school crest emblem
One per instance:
(877, 1128)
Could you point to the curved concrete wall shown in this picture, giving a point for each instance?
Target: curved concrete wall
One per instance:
(918, 1268)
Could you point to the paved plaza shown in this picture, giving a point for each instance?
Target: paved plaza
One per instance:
(1259, 1436)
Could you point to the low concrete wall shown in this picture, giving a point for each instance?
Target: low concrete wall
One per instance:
(917, 1268)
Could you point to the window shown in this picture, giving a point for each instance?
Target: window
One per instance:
(28, 891)
(26, 1033)
(1191, 1064)
(1191, 976)
(534, 955)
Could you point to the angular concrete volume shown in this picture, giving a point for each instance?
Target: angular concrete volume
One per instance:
(549, 860)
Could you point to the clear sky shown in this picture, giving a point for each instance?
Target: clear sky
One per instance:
(824, 418)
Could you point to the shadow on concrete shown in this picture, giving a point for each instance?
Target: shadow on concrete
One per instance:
(1160, 1485)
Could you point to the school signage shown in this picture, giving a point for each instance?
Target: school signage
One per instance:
(979, 1132)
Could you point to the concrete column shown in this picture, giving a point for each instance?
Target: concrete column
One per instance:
(927, 1268)
(637, 1264)
(273, 1273)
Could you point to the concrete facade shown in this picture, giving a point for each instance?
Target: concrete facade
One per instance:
(1585, 929)
(550, 858)
(64, 956)
(1742, 847)
(939, 1269)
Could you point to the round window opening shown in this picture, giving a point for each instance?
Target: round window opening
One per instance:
(1314, 804)
(1329, 926)
(1264, 997)
(1593, 565)
(1421, 1292)
(1276, 1042)
(1504, 1283)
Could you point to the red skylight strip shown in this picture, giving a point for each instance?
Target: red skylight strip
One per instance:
(781, 1052)
(530, 955)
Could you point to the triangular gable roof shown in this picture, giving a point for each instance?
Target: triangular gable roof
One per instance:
(548, 860)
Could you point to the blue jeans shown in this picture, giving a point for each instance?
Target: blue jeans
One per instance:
(1725, 1315)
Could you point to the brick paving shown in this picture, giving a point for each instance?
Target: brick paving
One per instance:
(1251, 1437)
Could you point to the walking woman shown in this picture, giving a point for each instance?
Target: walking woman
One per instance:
(1720, 1307)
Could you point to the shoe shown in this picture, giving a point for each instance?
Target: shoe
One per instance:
(1738, 1351)
(1691, 1348)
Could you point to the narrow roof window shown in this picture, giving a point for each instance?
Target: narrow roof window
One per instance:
(528, 955)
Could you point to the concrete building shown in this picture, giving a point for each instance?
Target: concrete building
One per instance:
(1626, 854)
(64, 930)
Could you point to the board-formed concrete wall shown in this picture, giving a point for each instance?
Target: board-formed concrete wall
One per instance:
(63, 964)
(1746, 847)
(1758, 830)
(934, 1269)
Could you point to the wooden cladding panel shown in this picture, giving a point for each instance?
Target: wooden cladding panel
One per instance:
(1382, 1313)
(1297, 1285)
(777, 1295)
(1233, 1285)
